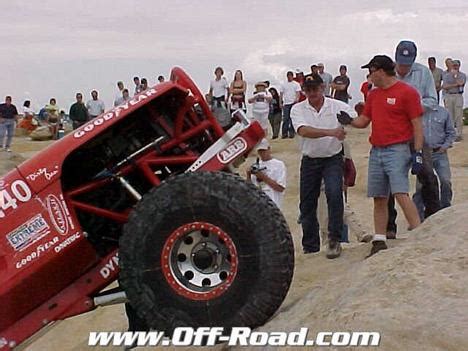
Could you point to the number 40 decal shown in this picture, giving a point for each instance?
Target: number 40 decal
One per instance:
(19, 191)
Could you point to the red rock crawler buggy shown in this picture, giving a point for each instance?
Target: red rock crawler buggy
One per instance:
(135, 187)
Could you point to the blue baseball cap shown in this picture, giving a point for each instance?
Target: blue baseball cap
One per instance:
(405, 52)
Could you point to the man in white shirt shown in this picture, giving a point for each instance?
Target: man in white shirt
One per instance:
(95, 106)
(290, 93)
(119, 93)
(218, 96)
(268, 173)
(219, 87)
(326, 77)
(261, 105)
(321, 143)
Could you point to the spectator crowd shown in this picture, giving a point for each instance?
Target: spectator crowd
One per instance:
(410, 131)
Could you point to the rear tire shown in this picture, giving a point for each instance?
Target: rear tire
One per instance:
(206, 249)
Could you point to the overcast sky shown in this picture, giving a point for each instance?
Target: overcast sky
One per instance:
(55, 48)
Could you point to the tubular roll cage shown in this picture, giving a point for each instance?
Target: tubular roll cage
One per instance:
(153, 156)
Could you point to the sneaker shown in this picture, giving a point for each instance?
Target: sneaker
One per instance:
(8, 149)
(377, 246)
(284, 137)
(333, 249)
(391, 234)
(458, 138)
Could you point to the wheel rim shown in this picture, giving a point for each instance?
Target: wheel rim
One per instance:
(199, 261)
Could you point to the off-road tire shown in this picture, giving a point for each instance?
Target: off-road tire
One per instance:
(256, 227)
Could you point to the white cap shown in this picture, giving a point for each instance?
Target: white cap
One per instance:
(298, 70)
(263, 145)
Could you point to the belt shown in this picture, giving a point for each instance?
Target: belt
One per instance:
(322, 158)
(455, 93)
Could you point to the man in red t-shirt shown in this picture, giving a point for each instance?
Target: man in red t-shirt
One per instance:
(394, 108)
(366, 87)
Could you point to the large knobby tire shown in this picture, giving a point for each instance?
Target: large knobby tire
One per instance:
(206, 249)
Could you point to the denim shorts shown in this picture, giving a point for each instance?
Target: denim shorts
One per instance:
(388, 170)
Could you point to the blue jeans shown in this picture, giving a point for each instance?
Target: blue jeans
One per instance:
(313, 170)
(287, 128)
(441, 164)
(7, 127)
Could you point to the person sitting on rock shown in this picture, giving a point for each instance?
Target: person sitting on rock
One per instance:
(29, 123)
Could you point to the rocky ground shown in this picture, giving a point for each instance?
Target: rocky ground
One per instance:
(415, 294)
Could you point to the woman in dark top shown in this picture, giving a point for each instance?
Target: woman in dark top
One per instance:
(275, 112)
(237, 91)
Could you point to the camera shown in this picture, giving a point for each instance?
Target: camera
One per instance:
(255, 168)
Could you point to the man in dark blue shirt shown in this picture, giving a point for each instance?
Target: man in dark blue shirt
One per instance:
(340, 85)
(8, 117)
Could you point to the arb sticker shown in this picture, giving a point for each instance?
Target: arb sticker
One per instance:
(235, 148)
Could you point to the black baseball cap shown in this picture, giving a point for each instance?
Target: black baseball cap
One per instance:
(381, 61)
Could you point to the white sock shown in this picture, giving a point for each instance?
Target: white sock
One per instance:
(379, 237)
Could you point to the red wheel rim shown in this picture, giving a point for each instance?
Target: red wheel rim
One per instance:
(199, 261)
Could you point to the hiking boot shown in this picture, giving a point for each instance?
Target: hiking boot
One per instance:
(377, 246)
(391, 234)
(333, 249)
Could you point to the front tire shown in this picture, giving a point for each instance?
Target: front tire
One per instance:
(206, 249)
